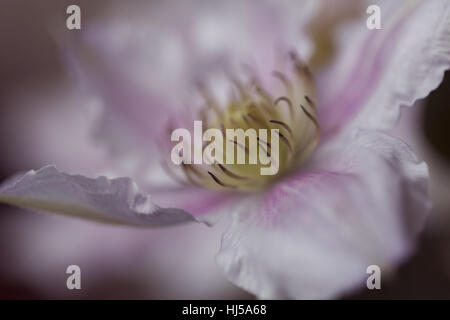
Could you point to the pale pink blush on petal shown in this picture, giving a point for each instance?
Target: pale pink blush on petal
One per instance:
(314, 235)
(205, 205)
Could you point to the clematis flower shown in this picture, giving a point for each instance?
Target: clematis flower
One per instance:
(347, 195)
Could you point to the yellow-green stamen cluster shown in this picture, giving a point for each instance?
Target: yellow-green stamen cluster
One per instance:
(292, 111)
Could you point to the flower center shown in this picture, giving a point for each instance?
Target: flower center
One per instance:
(290, 111)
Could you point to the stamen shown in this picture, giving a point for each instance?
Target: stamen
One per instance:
(263, 94)
(267, 151)
(302, 69)
(311, 103)
(240, 146)
(259, 121)
(266, 143)
(219, 182)
(285, 140)
(245, 118)
(311, 117)
(284, 125)
(187, 172)
(193, 169)
(231, 174)
(234, 122)
(289, 103)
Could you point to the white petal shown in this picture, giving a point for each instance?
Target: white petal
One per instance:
(314, 234)
(378, 71)
(102, 199)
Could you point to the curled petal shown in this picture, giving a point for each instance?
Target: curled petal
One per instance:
(101, 199)
(378, 71)
(314, 234)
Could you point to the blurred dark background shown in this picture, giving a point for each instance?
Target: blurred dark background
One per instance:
(29, 57)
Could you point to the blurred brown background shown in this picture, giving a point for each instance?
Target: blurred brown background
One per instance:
(29, 57)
